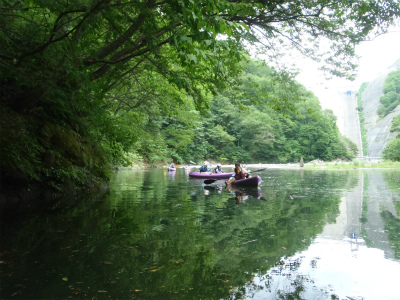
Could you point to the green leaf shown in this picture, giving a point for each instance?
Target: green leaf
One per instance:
(192, 58)
(201, 24)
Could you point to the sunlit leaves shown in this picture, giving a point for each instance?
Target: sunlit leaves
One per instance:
(391, 152)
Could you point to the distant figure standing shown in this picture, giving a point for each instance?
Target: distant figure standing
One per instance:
(301, 162)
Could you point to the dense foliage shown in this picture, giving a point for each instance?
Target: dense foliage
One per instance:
(390, 101)
(392, 150)
(391, 98)
(362, 118)
(262, 134)
(84, 82)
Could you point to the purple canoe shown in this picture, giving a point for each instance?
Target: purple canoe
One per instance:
(171, 169)
(207, 175)
(252, 181)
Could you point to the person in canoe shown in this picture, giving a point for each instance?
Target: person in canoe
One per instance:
(204, 168)
(218, 169)
(239, 173)
(172, 166)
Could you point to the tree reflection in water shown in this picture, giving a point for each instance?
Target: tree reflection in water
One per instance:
(155, 237)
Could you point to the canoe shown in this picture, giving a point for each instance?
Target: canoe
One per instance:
(206, 175)
(252, 181)
(171, 169)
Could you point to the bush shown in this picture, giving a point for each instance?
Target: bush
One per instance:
(392, 150)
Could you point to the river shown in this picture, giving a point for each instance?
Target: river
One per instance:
(302, 234)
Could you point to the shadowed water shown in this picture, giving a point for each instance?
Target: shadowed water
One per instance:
(160, 235)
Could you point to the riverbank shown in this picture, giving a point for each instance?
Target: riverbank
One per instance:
(356, 164)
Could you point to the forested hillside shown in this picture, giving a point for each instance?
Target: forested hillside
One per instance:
(392, 150)
(257, 131)
(391, 98)
(390, 101)
(89, 84)
(379, 107)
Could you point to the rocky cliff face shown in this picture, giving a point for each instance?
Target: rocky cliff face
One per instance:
(378, 130)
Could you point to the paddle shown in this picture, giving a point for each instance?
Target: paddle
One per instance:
(208, 181)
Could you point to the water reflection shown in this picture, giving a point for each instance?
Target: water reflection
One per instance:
(242, 194)
(301, 235)
(211, 189)
(349, 259)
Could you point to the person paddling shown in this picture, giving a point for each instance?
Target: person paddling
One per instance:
(239, 173)
(204, 168)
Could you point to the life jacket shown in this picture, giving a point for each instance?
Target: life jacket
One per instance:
(240, 174)
(204, 169)
(217, 170)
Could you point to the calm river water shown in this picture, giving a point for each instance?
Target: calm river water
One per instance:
(157, 235)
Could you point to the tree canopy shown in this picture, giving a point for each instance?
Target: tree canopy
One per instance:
(117, 37)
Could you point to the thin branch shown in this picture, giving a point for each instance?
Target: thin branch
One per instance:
(113, 85)
(19, 16)
(16, 69)
(52, 41)
(110, 48)
(60, 17)
(103, 69)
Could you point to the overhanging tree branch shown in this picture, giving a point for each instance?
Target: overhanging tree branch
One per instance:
(107, 64)
(51, 39)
